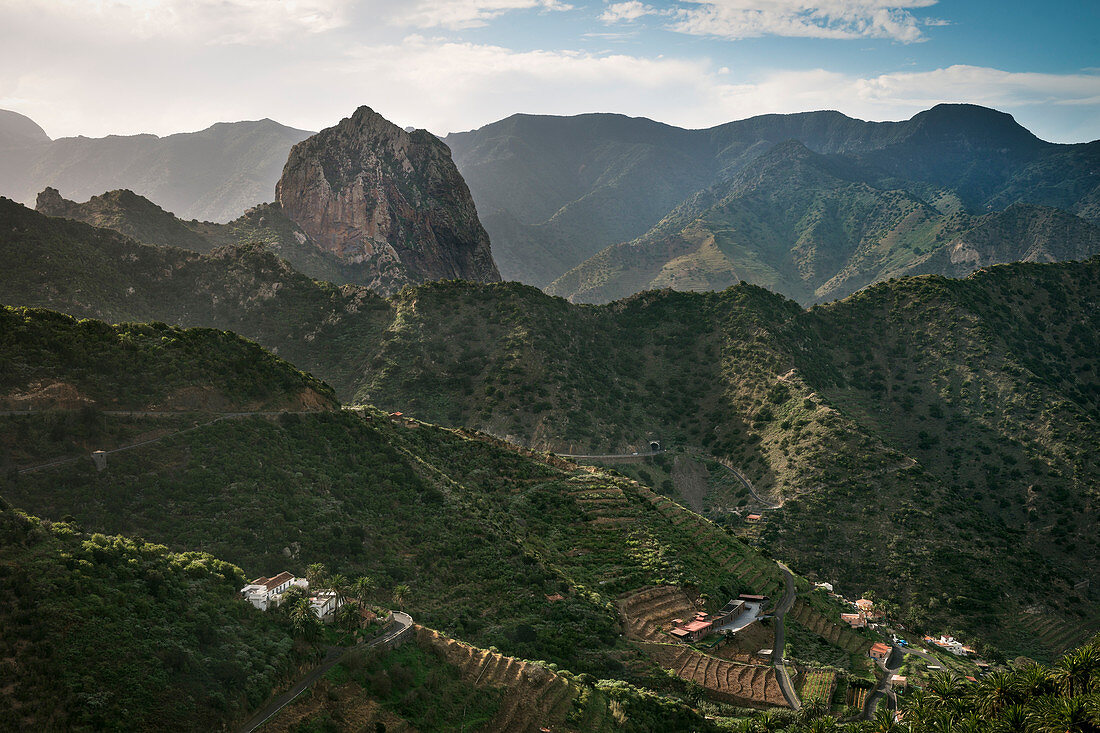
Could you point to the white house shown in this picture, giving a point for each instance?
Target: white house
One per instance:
(265, 592)
(324, 603)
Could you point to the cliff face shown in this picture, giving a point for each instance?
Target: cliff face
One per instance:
(372, 194)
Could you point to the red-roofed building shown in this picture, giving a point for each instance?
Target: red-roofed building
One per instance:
(555, 597)
(263, 592)
(855, 620)
(879, 651)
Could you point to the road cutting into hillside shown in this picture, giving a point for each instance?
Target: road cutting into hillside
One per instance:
(781, 609)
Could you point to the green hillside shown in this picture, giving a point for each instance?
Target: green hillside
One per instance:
(52, 360)
(876, 413)
(114, 633)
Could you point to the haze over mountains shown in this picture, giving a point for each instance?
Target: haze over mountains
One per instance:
(213, 174)
(596, 207)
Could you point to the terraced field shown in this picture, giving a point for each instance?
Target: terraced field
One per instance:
(1054, 634)
(648, 612)
(816, 684)
(748, 571)
(536, 696)
(751, 685)
(837, 635)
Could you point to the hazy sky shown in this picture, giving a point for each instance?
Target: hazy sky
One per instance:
(97, 67)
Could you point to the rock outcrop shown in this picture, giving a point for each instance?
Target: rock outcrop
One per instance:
(375, 195)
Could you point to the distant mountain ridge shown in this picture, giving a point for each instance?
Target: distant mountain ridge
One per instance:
(555, 191)
(213, 174)
(817, 227)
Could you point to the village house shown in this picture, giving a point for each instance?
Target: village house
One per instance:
(266, 592)
(879, 651)
(855, 620)
(729, 612)
(704, 625)
(324, 603)
(753, 518)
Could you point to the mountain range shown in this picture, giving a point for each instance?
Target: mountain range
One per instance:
(870, 350)
(213, 174)
(596, 207)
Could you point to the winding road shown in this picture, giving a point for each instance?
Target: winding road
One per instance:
(883, 689)
(785, 604)
(334, 656)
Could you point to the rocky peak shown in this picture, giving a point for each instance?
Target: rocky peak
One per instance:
(373, 194)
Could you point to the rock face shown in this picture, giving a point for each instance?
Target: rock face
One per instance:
(373, 194)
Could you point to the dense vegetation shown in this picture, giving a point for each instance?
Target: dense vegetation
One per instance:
(116, 633)
(480, 534)
(884, 413)
(1029, 698)
(142, 366)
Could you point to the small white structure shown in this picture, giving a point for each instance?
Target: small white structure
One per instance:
(827, 586)
(952, 645)
(266, 592)
(324, 603)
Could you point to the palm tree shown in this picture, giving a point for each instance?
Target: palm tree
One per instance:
(362, 589)
(884, 721)
(994, 693)
(945, 691)
(1078, 671)
(1032, 681)
(400, 593)
(812, 710)
(315, 575)
(1062, 715)
(338, 584)
(1011, 719)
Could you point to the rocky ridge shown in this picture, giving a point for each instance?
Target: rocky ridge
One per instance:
(371, 193)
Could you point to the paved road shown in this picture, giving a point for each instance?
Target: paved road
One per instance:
(640, 454)
(883, 688)
(777, 651)
(334, 656)
(748, 485)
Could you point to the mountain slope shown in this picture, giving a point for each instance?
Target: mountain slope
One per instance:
(815, 228)
(142, 367)
(212, 174)
(554, 191)
(107, 631)
(713, 372)
(391, 201)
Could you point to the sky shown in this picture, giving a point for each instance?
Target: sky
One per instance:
(99, 67)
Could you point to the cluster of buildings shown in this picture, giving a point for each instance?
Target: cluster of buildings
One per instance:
(951, 644)
(264, 593)
(703, 625)
(864, 612)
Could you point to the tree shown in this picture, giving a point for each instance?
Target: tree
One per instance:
(302, 619)
(362, 589)
(315, 575)
(1078, 671)
(338, 584)
(400, 594)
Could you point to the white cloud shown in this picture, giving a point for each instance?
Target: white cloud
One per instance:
(246, 22)
(458, 14)
(626, 12)
(839, 19)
